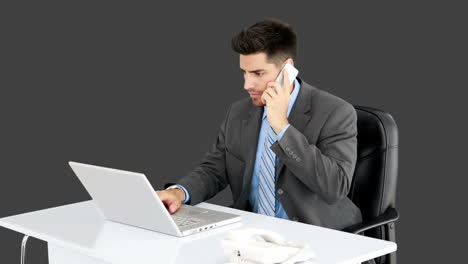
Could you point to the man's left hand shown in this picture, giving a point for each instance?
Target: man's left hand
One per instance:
(276, 97)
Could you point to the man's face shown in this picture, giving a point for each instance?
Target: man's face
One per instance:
(257, 73)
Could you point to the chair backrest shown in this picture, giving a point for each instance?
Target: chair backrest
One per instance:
(375, 177)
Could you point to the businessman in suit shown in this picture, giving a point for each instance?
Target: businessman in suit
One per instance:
(287, 151)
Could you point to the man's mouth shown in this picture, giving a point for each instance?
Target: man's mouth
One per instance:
(255, 95)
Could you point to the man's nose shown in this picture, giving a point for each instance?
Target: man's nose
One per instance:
(248, 83)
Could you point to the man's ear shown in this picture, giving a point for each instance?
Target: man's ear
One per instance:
(291, 61)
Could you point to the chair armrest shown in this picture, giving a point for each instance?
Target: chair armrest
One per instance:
(389, 216)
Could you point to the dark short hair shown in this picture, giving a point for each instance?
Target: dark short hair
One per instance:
(272, 36)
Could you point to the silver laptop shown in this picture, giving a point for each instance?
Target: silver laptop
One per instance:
(128, 198)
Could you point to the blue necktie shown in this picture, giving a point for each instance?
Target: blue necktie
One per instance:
(266, 188)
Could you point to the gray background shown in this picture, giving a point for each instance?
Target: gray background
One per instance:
(145, 87)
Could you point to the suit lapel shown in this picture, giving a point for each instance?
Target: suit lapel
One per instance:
(249, 140)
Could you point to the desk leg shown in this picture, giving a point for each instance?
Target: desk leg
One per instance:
(23, 249)
(61, 255)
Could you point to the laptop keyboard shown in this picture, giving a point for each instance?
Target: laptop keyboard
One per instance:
(182, 221)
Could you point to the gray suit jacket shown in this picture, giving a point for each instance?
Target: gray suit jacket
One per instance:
(317, 155)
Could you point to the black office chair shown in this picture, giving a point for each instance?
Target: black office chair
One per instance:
(373, 188)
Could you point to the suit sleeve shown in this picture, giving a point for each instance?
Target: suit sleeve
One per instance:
(208, 178)
(327, 167)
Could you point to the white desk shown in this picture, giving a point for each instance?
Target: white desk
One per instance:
(76, 233)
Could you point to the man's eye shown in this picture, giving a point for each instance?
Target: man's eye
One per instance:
(259, 73)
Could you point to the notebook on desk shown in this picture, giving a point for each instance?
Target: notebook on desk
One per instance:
(128, 197)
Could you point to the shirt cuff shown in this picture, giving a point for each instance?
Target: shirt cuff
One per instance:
(280, 135)
(187, 195)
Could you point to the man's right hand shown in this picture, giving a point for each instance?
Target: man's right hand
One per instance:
(172, 198)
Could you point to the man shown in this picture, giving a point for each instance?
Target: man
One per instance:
(288, 151)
